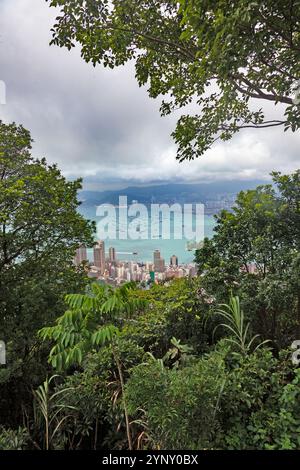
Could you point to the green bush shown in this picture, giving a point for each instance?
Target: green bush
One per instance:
(260, 405)
(13, 439)
(221, 401)
(175, 309)
(179, 405)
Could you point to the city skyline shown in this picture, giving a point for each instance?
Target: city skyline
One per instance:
(105, 266)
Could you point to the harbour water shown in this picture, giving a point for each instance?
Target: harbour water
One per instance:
(141, 250)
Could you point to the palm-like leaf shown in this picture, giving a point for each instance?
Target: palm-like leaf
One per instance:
(90, 323)
(52, 408)
(235, 325)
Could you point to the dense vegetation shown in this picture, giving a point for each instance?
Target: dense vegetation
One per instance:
(39, 230)
(202, 363)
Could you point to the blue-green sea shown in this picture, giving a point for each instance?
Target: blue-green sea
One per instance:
(141, 250)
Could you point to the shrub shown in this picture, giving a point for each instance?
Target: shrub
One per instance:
(13, 439)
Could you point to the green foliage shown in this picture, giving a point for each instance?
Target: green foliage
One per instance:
(13, 440)
(236, 327)
(221, 401)
(40, 230)
(178, 354)
(176, 309)
(97, 414)
(89, 322)
(260, 403)
(224, 57)
(50, 410)
(203, 392)
(177, 407)
(255, 253)
(91, 409)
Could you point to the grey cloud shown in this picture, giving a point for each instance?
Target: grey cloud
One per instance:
(99, 124)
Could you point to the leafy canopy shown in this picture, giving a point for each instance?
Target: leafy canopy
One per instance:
(93, 319)
(38, 207)
(40, 229)
(255, 252)
(224, 57)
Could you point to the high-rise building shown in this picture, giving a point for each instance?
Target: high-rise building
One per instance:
(159, 263)
(120, 272)
(156, 258)
(113, 272)
(174, 260)
(99, 256)
(112, 254)
(81, 255)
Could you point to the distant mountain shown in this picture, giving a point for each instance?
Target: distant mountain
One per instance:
(171, 193)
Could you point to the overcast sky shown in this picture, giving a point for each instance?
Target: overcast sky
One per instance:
(99, 124)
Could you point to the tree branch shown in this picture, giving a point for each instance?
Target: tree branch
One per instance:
(256, 126)
(259, 93)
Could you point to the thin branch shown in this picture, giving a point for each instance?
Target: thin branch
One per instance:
(178, 47)
(260, 94)
(256, 126)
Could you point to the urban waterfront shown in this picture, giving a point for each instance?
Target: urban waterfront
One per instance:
(141, 250)
(111, 270)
